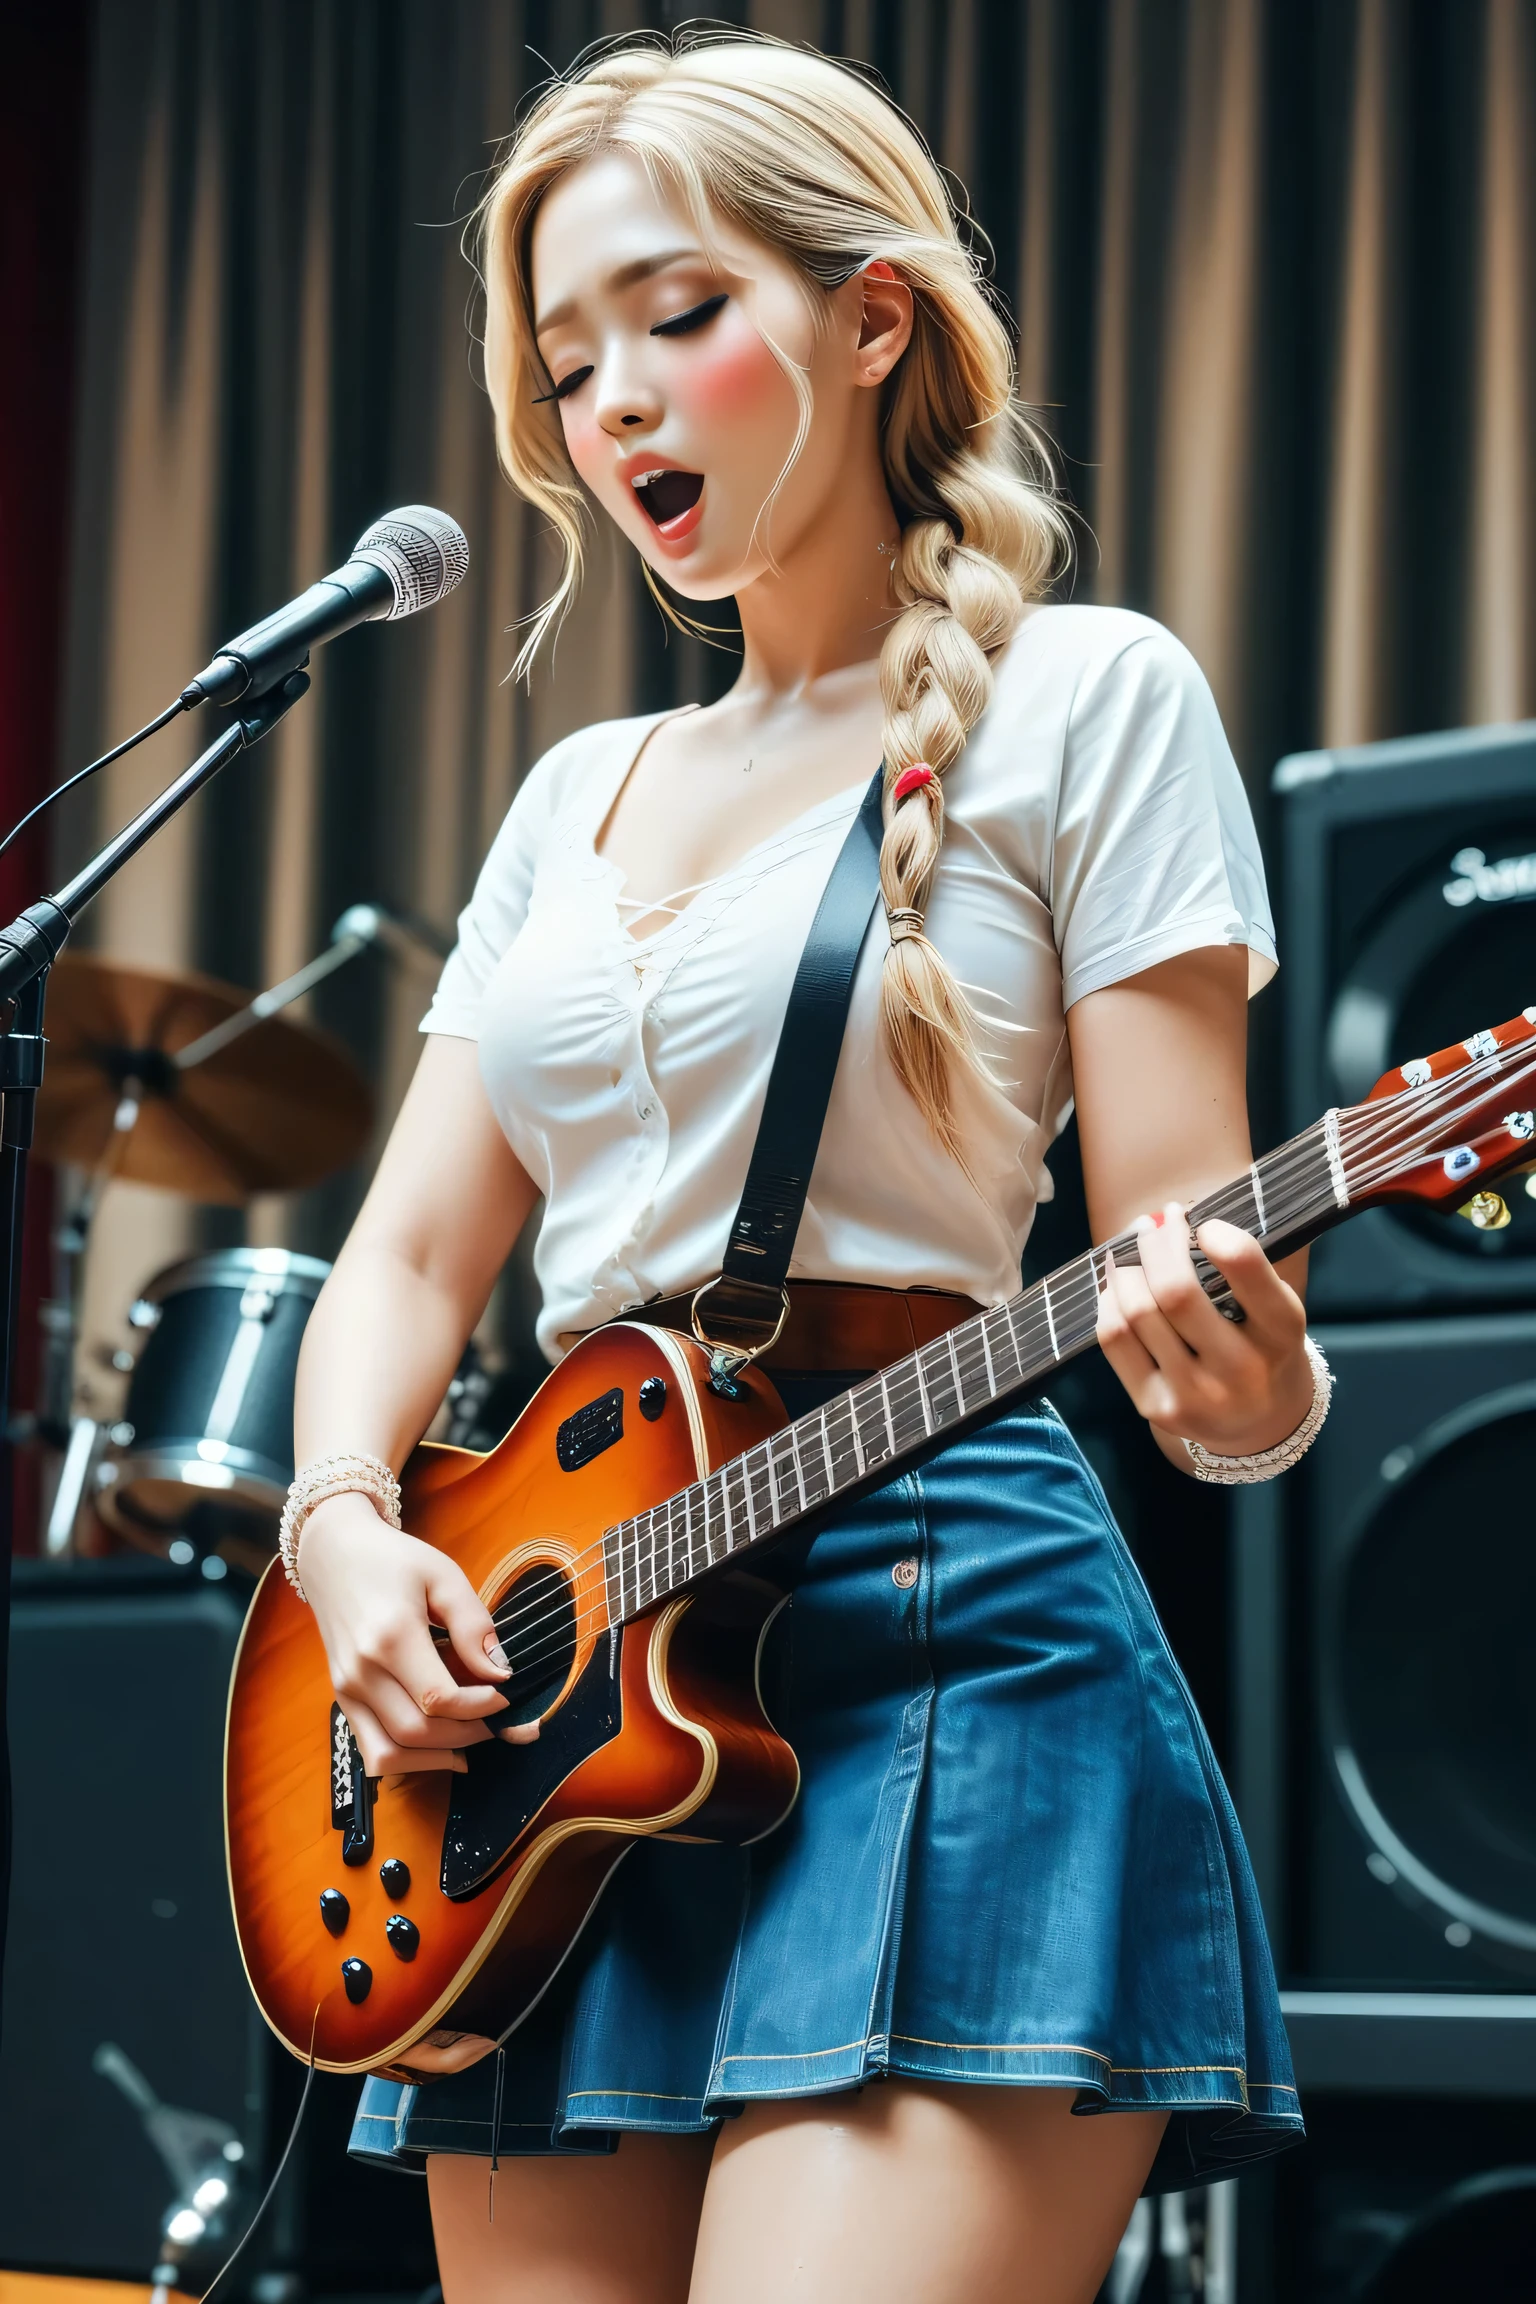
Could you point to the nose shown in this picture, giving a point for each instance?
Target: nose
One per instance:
(625, 404)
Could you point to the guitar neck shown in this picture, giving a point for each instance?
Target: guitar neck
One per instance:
(1285, 1199)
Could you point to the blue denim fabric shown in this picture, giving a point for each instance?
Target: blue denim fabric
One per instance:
(1013, 1858)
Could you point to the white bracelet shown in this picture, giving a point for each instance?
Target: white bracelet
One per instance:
(342, 1475)
(1237, 1471)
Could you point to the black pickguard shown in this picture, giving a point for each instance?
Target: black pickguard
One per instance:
(507, 1784)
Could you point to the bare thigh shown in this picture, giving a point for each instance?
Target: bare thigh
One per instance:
(613, 2229)
(916, 2194)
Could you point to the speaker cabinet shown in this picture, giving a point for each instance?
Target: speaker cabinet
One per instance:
(121, 1940)
(1408, 872)
(1403, 2200)
(1386, 1598)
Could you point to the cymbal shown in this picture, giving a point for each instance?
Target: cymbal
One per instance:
(278, 1109)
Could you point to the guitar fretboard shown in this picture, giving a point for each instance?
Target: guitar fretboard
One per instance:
(1010, 1350)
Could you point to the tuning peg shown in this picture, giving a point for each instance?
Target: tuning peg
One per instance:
(1486, 1210)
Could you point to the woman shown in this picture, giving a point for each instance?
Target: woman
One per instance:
(727, 302)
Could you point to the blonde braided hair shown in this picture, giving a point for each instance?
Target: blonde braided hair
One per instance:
(809, 159)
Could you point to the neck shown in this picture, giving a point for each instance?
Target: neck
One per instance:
(827, 602)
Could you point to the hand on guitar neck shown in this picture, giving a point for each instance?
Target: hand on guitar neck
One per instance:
(1235, 1385)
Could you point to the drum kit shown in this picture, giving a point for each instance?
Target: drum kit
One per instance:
(176, 1081)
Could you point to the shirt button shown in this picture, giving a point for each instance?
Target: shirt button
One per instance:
(904, 1574)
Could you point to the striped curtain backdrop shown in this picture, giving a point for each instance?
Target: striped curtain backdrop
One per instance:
(1271, 264)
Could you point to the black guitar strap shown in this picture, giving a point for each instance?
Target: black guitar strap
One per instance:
(740, 1313)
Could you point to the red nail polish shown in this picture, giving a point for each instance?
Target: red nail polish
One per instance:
(1158, 1218)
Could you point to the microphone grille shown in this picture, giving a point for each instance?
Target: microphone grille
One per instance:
(424, 554)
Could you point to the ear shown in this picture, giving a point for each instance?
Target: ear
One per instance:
(885, 322)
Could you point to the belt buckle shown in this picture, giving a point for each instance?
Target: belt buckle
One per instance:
(726, 1361)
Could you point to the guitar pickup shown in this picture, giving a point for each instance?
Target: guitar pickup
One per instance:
(351, 1792)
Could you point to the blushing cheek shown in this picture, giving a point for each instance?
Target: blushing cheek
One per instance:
(729, 382)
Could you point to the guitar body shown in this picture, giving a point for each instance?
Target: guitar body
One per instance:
(371, 1916)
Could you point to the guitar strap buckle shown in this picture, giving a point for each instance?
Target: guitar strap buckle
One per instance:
(746, 1322)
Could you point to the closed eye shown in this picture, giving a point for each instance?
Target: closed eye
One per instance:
(566, 386)
(684, 323)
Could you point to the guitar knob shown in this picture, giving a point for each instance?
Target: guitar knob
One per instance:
(395, 1876)
(335, 1911)
(404, 1936)
(357, 1976)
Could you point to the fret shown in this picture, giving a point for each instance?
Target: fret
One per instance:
(1050, 1320)
(908, 1404)
(973, 1364)
(1011, 1311)
(662, 1561)
(658, 1522)
(736, 1496)
(922, 1396)
(807, 1476)
(807, 1473)
(784, 1469)
(885, 1403)
(691, 1497)
(933, 1366)
(824, 1435)
(998, 1319)
(1258, 1199)
(874, 1446)
(613, 1574)
(845, 1455)
(986, 1353)
(694, 1566)
(717, 1520)
(760, 1498)
(954, 1362)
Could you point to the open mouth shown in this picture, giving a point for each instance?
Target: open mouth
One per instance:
(665, 496)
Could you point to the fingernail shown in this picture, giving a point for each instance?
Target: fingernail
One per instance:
(1158, 1220)
(497, 1654)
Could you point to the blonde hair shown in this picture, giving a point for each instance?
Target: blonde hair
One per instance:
(808, 159)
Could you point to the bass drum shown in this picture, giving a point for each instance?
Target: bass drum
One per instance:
(204, 1454)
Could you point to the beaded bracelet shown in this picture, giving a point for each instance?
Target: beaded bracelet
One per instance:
(1238, 1471)
(342, 1475)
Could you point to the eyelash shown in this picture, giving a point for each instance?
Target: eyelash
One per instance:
(681, 324)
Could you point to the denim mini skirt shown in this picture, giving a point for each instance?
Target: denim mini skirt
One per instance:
(1012, 1859)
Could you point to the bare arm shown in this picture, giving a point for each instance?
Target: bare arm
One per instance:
(1159, 1064)
(444, 1210)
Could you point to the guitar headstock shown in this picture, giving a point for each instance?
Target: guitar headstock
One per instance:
(1441, 1129)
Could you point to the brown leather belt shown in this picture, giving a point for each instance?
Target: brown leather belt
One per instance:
(837, 1327)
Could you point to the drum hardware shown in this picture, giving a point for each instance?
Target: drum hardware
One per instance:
(146, 1083)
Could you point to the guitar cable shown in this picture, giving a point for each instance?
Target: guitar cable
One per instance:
(266, 2199)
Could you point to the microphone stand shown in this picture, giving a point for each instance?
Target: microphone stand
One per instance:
(28, 949)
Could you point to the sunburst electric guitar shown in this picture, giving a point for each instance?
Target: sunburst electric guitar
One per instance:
(619, 1535)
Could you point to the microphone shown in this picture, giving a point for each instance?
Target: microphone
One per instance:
(410, 559)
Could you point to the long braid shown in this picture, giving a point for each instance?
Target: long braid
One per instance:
(961, 607)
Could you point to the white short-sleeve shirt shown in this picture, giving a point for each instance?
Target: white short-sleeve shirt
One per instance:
(1095, 824)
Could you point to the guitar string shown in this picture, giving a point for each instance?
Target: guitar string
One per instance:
(664, 1538)
(1384, 1123)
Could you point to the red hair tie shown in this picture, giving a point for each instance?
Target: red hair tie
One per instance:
(911, 780)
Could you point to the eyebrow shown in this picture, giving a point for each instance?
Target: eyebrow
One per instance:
(627, 276)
